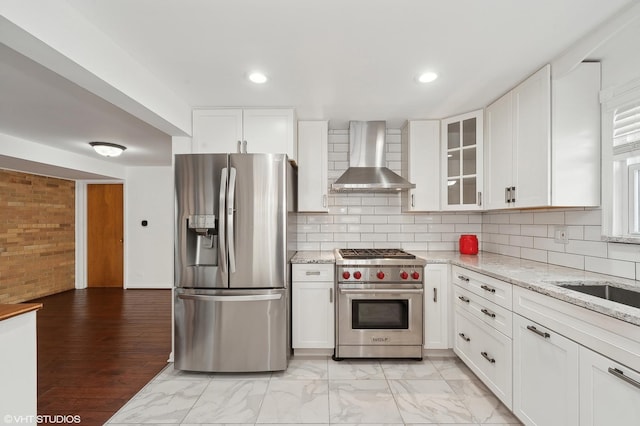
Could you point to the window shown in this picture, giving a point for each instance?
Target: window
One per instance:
(621, 164)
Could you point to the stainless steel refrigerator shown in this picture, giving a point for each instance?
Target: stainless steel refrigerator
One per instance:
(232, 280)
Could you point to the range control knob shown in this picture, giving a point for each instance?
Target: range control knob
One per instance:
(380, 275)
(415, 275)
(404, 275)
(346, 275)
(357, 275)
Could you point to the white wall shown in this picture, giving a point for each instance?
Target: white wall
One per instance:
(149, 250)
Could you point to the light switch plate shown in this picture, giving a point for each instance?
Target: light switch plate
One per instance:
(561, 234)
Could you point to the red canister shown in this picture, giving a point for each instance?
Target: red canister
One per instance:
(468, 244)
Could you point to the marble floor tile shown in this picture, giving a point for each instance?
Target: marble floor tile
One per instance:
(243, 376)
(362, 401)
(410, 370)
(162, 402)
(480, 401)
(304, 369)
(295, 401)
(355, 370)
(429, 401)
(229, 401)
(453, 369)
(170, 373)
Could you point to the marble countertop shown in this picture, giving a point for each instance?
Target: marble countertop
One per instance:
(536, 276)
(12, 310)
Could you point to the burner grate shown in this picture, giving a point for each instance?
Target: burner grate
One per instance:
(375, 254)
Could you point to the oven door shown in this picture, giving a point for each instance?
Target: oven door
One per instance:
(380, 316)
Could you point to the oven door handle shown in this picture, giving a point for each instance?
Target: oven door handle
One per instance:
(382, 290)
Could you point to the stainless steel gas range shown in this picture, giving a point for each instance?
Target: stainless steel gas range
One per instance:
(379, 309)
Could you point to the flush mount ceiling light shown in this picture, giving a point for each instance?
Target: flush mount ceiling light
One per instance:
(257, 77)
(427, 77)
(107, 149)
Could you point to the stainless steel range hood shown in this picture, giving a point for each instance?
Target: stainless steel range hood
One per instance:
(367, 170)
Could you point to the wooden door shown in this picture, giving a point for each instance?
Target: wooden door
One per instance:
(105, 235)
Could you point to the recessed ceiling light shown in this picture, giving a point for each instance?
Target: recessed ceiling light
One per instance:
(427, 77)
(107, 149)
(258, 77)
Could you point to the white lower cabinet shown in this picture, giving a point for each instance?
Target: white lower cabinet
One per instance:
(609, 391)
(487, 352)
(436, 296)
(312, 306)
(545, 375)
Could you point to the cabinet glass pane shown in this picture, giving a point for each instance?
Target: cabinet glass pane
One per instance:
(453, 191)
(453, 163)
(469, 132)
(453, 135)
(469, 161)
(469, 190)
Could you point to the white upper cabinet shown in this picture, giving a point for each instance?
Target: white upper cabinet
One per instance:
(312, 166)
(462, 161)
(542, 142)
(244, 130)
(421, 165)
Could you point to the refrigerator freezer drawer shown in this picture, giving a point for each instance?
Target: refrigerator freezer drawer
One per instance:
(231, 331)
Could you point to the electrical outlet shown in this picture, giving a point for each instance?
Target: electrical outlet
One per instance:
(561, 234)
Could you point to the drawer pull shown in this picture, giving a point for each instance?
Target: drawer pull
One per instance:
(487, 357)
(487, 288)
(465, 338)
(463, 278)
(435, 295)
(313, 272)
(464, 299)
(330, 295)
(488, 313)
(538, 332)
(620, 374)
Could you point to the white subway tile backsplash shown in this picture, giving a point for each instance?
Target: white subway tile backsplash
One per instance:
(592, 233)
(388, 228)
(491, 228)
(401, 237)
(373, 237)
(319, 237)
(455, 218)
(547, 244)
(443, 246)
(432, 218)
(533, 254)
(548, 218)
(410, 227)
(534, 230)
(320, 219)
(428, 237)
(468, 228)
(359, 210)
(338, 156)
(521, 218)
(333, 228)
(333, 210)
(628, 252)
(374, 201)
(510, 229)
(521, 241)
(339, 147)
(388, 210)
(587, 248)
(444, 227)
(618, 268)
(373, 219)
(564, 259)
(346, 219)
(583, 217)
(304, 228)
(359, 228)
(345, 236)
(401, 219)
(308, 246)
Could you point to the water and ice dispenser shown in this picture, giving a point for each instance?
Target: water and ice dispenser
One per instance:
(202, 240)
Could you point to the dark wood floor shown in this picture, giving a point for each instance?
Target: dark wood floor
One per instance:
(98, 347)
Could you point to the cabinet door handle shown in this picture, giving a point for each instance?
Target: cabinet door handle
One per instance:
(479, 198)
(538, 332)
(464, 299)
(324, 201)
(244, 147)
(435, 295)
(239, 147)
(507, 195)
(487, 288)
(330, 295)
(312, 273)
(620, 374)
(465, 338)
(488, 313)
(513, 194)
(413, 200)
(487, 357)
(463, 278)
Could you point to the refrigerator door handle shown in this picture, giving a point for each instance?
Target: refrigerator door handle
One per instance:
(249, 298)
(230, 217)
(222, 253)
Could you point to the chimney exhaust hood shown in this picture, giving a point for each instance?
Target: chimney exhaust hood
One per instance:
(367, 170)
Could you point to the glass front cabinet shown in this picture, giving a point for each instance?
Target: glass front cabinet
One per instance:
(462, 162)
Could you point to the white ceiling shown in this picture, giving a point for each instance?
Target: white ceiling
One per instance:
(339, 60)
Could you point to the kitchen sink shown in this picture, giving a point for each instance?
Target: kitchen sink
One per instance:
(606, 291)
